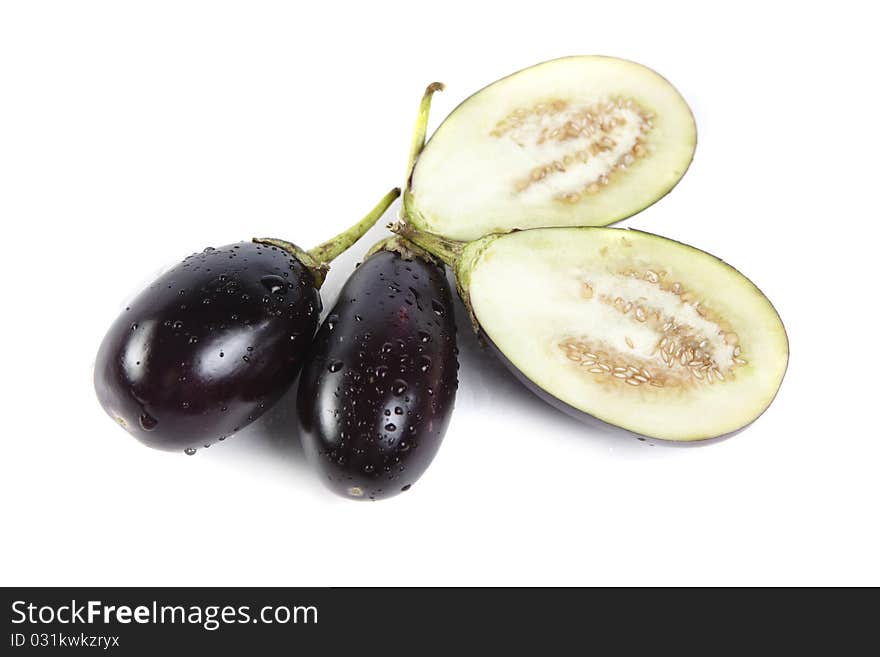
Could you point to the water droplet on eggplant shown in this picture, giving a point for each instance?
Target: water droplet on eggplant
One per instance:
(394, 366)
(275, 284)
(148, 422)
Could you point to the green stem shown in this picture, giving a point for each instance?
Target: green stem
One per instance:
(317, 259)
(449, 251)
(326, 252)
(418, 140)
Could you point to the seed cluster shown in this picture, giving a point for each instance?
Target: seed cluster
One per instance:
(611, 363)
(682, 355)
(594, 127)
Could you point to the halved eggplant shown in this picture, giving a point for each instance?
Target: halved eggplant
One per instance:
(578, 141)
(643, 332)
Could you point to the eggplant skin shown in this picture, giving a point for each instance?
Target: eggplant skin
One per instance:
(378, 389)
(209, 346)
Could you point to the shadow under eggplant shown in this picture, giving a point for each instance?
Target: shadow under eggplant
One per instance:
(272, 441)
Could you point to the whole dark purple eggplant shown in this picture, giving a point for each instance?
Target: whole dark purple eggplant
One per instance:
(378, 386)
(215, 341)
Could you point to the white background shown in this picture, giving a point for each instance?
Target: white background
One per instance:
(132, 134)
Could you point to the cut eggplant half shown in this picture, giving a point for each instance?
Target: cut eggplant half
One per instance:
(578, 141)
(640, 331)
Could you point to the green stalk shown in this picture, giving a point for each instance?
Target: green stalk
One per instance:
(449, 251)
(418, 140)
(326, 252)
(317, 259)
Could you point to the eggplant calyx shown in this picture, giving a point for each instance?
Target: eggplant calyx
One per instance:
(447, 250)
(404, 248)
(318, 259)
(318, 269)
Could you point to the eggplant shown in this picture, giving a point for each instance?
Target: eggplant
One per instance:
(576, 141)
(215, 341)
(379, 383)
(642, 332)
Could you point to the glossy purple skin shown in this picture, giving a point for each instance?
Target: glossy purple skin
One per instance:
(378, 388)
(209, 346)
